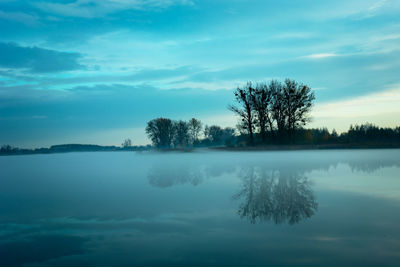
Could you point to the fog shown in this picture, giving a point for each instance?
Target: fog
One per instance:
(201, 208)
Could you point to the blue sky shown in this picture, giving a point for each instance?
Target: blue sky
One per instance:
(97, 71)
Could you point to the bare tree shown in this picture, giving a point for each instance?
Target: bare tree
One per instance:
(278, 109)
(245, 111)
(298, 100)
(161, 132)
(284, 106)
(261, 102)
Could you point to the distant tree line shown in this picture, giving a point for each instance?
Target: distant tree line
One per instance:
(10, 150)
(182, 137)
(367, 134)
(167, 133)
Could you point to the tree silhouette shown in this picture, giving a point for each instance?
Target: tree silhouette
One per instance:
(298, 100)
(245, 111)
(278, 108)
(161, 132)
(287, 106)
(127, 143)
(195, 127)
(181, 137)
(261, 103)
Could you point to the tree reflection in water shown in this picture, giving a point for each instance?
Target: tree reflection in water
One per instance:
(174, 174)
(283, 195)
(278, 195)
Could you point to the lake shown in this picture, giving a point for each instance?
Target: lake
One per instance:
(277, 208)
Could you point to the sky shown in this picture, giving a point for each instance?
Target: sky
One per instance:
(96, 71)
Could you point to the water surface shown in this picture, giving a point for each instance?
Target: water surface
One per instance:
(204, 208)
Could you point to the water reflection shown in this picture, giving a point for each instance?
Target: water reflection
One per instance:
(195, 168)
(265, 194)
(274, 186)
(277, 195)
(177, 173)
(105, 209)
(174, 174)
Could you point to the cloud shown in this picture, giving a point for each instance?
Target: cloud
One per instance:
(381, 108)
(27, 19)
(377, 5)
(374, 8)
(37, 60)
(99, 8)
(322, 55)
(210, 85)
(382, 102)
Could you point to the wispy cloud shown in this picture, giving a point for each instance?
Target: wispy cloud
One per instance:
(37, 59)
(381, 108)
(212, 86)
(374, 8)
(98, 8)
(20, 17)
(321, 55)
(371, 104)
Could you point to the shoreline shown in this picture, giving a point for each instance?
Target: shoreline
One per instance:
(216, 148)
(308, 147)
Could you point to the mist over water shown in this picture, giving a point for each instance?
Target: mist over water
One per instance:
(336, 207)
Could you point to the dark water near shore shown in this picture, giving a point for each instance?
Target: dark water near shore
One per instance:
(278, 208)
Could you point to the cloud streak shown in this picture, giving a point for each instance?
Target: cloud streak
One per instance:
(24, 18)
(99, 8)
(37, 60)
(321, 55)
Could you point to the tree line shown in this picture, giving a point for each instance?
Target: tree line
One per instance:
(11, 150)
(167, 133)
(362, 135)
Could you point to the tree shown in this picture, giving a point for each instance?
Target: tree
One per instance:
(298, 100)
(195, 127)
(126, 143)
(261, 103)
(278, 107)
(7, 148)
(228, 135)
(181, 138)
(244, 98)
(161, 132)
(214, 134)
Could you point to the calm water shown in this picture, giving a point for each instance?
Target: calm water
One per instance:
(204, 208)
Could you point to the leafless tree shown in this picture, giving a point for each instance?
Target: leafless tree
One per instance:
(261, 102)
(245, 110)
(298, 100)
